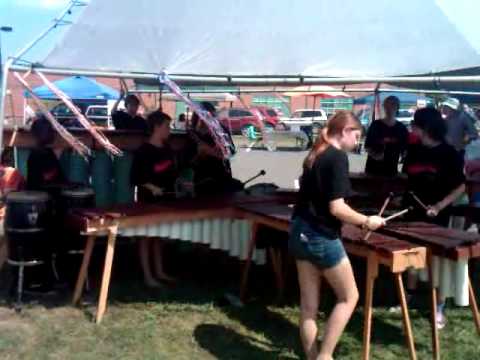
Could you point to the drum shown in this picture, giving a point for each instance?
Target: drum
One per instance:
(21, 158)
(75, 167)
(26, 224)
(81, 197)
(102, 173)
(74, 198)
(123, 190)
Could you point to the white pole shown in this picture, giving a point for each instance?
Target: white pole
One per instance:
(263, 81)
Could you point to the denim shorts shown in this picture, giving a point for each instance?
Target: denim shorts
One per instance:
(306, 243)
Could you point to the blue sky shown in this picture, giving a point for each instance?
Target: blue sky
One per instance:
(30, 17)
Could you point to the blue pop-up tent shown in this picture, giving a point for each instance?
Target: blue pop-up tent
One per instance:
(77, 88)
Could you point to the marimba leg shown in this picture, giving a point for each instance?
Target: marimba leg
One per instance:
(276, 258)
(82, 275)
(107, 272)
(405, 316)
(433, 305)
(246, 269)
(372, 273)
(473, 305)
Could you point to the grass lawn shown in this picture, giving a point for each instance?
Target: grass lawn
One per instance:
(191, 322)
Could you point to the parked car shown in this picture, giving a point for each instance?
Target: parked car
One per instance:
(405, 117)
(306, 117)
(239, 120)
(270, 115)
(65, 116)
(98, 114)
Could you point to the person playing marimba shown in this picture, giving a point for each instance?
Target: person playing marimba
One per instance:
(213, 173)
(44, 171)
(316, 229)
(154, 173)
(435, 176)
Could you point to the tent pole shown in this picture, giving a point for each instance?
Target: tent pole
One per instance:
(3, 91)
(261, 81)
(344, 89)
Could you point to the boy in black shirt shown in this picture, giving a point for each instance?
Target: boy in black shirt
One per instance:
(128, 120)
(154, 173)
(386, 141)
(44, 171)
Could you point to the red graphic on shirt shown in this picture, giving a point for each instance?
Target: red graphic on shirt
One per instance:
(413, 138)
(50, 175)
(421, 168)
(162, 166)
(390, 140)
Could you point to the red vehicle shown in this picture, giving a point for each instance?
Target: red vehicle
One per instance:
(270, 115)
(239, 120)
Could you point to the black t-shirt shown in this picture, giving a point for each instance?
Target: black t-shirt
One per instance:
(433, 173)
(212, 174)
(123, 121)
(154, 165)
(389, 140)
(326, 181)
(43, 170)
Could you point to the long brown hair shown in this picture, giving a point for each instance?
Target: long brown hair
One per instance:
(335, 126)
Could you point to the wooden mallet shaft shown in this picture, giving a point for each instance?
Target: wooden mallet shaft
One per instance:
(400, 213)
(420, 202)
(380, 213)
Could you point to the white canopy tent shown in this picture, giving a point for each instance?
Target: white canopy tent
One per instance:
(265, 38)
(267, 43)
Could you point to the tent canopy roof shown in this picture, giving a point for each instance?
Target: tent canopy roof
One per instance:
(77, 88)
(267, 38)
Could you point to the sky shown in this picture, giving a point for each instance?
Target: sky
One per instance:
(30, 17)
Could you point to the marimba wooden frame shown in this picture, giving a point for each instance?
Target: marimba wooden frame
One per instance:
(397, 263)
(400, 261)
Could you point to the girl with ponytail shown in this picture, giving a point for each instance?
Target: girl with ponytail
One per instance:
(316, 229)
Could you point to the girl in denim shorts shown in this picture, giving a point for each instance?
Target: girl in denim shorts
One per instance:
(316, 230)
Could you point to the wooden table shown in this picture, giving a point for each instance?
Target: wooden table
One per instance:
(396, 255)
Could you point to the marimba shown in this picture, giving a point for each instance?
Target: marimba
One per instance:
(214, 223)
(397, 255)
(446, 245)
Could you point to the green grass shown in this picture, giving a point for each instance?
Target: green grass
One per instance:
(189, 322)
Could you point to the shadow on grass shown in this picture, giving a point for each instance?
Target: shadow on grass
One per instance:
(225, 343)
(280, 332)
